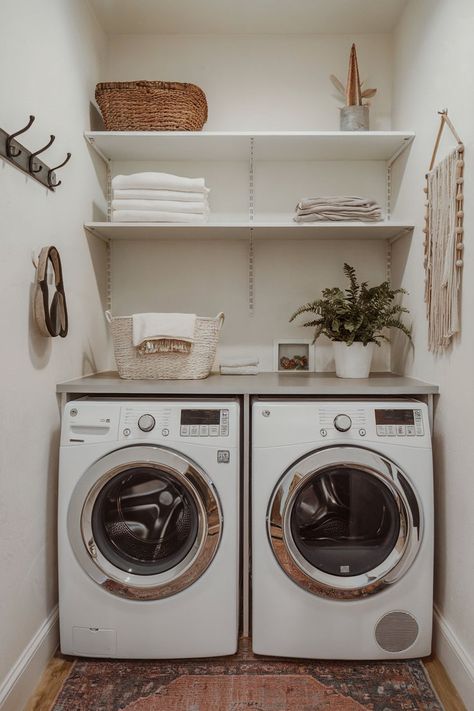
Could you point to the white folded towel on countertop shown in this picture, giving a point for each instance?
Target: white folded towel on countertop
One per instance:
(240, 370)
(199, 208)
(239, 361)
(163, 332)
(156, 216)
(158, 181)
(142, 194)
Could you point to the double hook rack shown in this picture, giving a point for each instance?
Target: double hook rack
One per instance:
(28, 161)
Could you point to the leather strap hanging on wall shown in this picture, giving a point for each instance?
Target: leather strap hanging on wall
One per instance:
(51, 314)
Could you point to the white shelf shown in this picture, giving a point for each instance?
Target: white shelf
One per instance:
(235, 146)
(283, 229)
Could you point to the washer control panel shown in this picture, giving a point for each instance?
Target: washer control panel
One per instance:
(137, 423)
(399, 423)
(204, 423)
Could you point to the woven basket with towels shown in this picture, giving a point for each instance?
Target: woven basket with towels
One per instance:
(167, 357)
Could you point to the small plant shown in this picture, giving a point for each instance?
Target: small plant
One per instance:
(357, 314)
(352, 94)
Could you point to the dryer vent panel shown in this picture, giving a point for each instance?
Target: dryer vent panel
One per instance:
(396, 631)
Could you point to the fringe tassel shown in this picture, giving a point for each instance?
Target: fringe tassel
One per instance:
(164, 345)
(443, 245)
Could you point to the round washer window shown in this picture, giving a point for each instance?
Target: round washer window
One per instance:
(145, 521)
(344, 521)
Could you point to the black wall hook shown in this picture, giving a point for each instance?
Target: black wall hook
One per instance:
(15, 152)
(33, 165)
(51, 175)
(28, 161)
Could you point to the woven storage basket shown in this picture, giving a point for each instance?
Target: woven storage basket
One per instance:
(151, 106)
(197, 364)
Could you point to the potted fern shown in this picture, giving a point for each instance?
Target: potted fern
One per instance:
(355, 320)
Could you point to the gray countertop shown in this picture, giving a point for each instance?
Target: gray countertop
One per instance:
(109, 383)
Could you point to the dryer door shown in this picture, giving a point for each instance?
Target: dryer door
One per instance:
(144, 522)
(344, 522)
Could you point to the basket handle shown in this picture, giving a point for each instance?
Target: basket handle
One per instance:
(108, 316)
(220, 318)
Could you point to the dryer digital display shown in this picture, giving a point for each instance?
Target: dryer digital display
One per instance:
(394, 417)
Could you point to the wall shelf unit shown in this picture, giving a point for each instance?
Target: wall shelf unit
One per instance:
(222, 230)
(234, 146)
(256, 179)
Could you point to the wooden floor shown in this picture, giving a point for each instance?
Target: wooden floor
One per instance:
(58, 669)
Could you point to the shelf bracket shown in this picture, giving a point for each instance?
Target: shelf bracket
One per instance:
(91, 141)
(401, 149)
(108, 275)
(388, 261)
(251, 275)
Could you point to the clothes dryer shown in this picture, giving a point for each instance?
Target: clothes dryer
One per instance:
(342, 527)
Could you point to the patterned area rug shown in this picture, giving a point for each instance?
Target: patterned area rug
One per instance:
(244, 682)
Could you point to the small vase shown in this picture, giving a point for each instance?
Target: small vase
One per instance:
(355, 118)
(353, 361)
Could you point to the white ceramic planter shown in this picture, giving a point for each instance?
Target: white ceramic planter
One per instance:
(353, 361)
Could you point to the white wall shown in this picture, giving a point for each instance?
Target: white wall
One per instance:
(50, 57)
(260, 82)
(433, 60)
(257, 83)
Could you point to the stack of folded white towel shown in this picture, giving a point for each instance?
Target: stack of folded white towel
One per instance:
(243, 365)
(159, 197)
(338, 208)
(163, 332)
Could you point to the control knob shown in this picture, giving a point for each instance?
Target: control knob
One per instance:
(342, 423)
(146, 423)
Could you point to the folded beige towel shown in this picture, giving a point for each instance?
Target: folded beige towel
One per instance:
(242, 370)
(155, 216)
(338, 208)
(158, 181)
(163, 332)
(142, 194)
(239, 361)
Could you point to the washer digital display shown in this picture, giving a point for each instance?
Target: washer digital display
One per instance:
(394, 417)
(200, 417)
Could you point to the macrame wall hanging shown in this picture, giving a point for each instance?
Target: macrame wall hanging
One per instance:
(444, 241)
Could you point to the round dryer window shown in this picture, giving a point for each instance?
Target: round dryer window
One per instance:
(145, 522)
(344, 522)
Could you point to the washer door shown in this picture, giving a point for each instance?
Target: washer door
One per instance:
(144, 522)
(344, 522)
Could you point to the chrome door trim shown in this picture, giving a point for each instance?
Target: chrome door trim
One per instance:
(307, 576)
(145, 587)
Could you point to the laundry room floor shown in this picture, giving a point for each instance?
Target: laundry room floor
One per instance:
(243, 681)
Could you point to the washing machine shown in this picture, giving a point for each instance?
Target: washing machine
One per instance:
(342, 529)
(149, 528)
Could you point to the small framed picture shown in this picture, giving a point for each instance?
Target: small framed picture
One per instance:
(293, 356)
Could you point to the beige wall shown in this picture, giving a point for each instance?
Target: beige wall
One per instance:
(433, 61)
(50, 58)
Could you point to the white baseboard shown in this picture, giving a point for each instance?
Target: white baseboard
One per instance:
(454, 658)
(20, 683)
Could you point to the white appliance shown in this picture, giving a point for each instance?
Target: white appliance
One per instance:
(147, 566)
(342, 529)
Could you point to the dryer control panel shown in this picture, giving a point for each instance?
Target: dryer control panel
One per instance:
(326, 422)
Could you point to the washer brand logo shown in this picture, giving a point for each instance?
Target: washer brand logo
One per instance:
(223, 456)
(344, 568)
